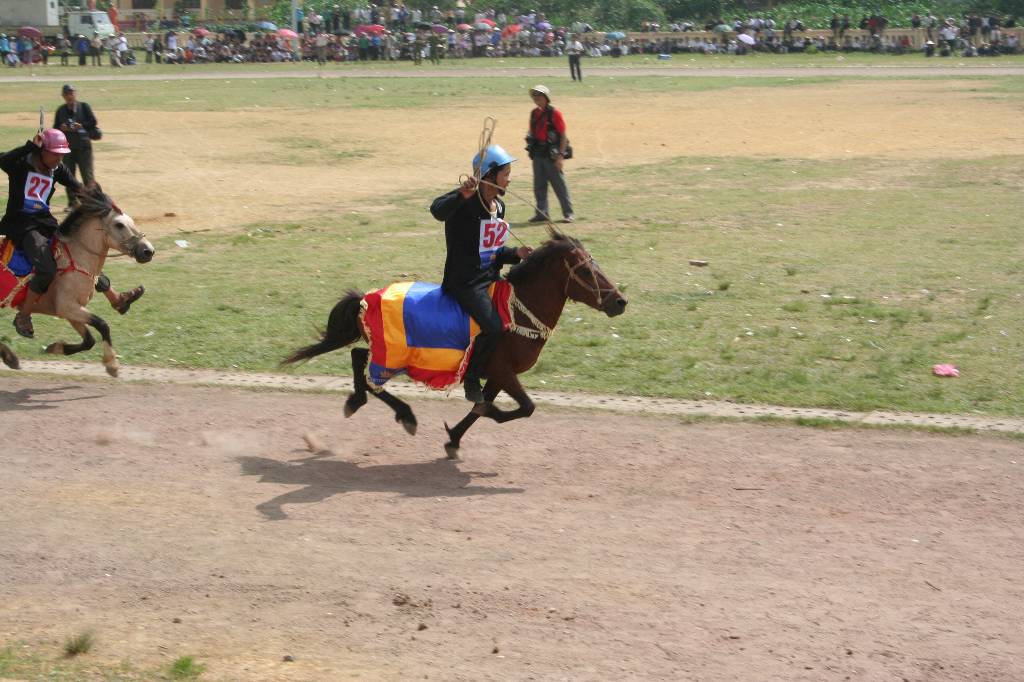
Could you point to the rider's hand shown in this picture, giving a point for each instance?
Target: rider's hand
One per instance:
(523, 252)
(468, 187)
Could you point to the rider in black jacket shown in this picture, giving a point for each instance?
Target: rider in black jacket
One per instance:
(32, 173)
(475, 234)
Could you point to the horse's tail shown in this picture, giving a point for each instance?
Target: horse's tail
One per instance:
(342, 329)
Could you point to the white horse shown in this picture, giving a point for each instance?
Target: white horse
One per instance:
(84, 239)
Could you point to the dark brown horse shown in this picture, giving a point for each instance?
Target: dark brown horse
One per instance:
(561, 269)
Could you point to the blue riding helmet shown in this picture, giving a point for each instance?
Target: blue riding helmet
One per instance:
(494, 157)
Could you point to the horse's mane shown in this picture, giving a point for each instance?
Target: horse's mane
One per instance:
(92, 202)
(534, 263)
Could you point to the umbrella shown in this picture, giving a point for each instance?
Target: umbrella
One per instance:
(30, 32)
(615, 35)
(266, 26)
(287, 33)
(464, 27)
(723, 28)
(439, 28)
(201, 32)
(369, 28)
(489, 22)
(422, 24)
(511, 30)
(482, 26)
(544, 26)
(748, 39)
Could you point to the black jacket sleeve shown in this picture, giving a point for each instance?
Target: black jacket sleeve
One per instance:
(63, 176)
(446, 204)
(88, 118)
(507, 256)
(11, 158)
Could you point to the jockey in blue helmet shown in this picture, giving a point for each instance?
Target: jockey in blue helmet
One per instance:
(475, 234)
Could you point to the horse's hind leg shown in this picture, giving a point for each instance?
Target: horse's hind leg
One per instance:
(403, 413)
(8, 357)
(64, 348)
(360, 356)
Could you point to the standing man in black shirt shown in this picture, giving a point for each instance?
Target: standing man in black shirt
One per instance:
(76, 120)
(475, 233)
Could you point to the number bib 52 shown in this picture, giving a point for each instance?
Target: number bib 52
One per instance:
(493, 235)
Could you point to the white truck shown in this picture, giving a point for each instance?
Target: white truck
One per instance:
(51, 19)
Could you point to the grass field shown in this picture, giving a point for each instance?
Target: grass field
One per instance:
(833, 281)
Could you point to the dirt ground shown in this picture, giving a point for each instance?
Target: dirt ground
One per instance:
(575, 545)
(230, 158)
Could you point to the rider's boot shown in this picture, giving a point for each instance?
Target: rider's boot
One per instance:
(123, 301)
(474, 393)
(23, 320)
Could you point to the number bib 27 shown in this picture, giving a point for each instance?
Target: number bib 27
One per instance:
(493, 235)
(37, 192)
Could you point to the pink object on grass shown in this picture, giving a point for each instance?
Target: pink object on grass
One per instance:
(945, 371)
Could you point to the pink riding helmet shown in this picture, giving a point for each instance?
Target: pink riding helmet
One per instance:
(54, 141)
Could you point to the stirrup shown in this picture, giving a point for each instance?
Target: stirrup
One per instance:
(125, 300)
(23, 325)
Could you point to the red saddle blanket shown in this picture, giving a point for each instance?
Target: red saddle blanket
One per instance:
(414, 328)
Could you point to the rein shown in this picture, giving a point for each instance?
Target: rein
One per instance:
(600, 293)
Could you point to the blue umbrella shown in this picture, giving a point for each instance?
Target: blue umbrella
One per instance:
(615, 35)
(267, 26)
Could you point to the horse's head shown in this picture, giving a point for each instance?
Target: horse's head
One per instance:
(586, 283)
(119, 231)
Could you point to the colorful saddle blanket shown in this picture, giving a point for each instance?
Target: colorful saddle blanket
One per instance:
(416, 329)
(15, 270)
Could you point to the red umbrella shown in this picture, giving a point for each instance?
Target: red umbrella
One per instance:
(201, 32)
(370, 28)
(511, 29)
(30, 32)
(464, 27)
(489, 22)
(287, 33)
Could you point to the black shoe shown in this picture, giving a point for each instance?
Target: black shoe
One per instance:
(474, 393)
(538, 219)
(23, 325)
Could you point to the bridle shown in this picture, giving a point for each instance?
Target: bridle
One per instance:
(601, 294)
(125, 247)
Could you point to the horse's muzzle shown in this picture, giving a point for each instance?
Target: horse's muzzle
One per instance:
(144, 252)
(614, 305)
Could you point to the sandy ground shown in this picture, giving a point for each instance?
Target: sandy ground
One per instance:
(231, 161)
(574, 545)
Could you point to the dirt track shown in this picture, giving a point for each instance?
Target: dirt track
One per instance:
(570, 546)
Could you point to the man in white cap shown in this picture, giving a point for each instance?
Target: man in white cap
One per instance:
(547, 144)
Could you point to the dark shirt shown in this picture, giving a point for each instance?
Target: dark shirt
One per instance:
(79, 138)
(29, 192)
(475, 240)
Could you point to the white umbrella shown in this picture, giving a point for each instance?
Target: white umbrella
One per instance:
(745, 38)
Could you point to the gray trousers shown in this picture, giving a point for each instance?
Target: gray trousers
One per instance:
(544, 172)
(82, 159)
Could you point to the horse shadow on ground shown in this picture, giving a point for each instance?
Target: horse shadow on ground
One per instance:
(323, 478)
(32, 399)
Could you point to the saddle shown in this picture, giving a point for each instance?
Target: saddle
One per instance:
(414, 328)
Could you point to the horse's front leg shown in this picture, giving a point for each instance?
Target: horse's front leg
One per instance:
(79, 316)
(456, 433)
(511, 386)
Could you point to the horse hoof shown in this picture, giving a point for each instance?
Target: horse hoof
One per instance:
(56, 348)
(451, 450)
(10, 359)
(112, 370)
(409, 426)
(351, 405)
(349, 410)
